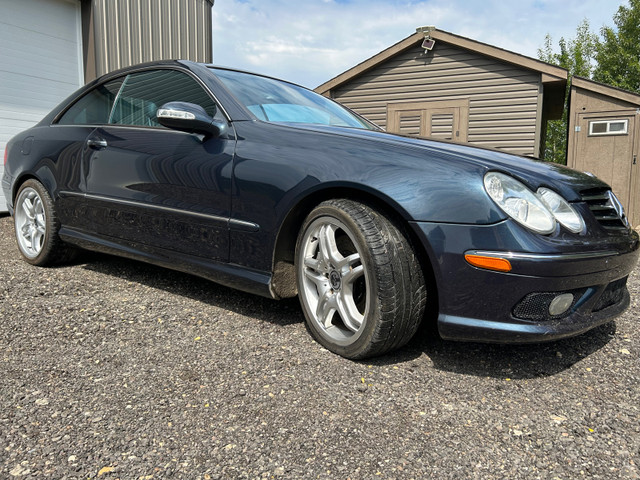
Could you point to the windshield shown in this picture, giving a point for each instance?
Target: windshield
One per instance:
(276, 101)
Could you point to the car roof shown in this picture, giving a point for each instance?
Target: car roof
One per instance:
(184, 63)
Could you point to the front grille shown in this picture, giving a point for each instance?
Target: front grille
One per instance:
(535, 306)
(614, 293)
(605, 208)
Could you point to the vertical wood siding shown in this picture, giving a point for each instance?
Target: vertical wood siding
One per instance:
(503, 98)
(610, 158)
(135, 31)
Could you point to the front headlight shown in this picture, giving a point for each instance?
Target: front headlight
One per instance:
(519, 202)
(561, 210)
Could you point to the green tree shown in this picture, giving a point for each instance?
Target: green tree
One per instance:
(618, 55)
(576, 55)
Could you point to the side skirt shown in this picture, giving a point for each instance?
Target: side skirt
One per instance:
(233, 276)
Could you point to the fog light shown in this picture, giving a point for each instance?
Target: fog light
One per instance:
(560, 304)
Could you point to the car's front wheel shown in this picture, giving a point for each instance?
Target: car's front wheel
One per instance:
(36, 226)
(360, 283)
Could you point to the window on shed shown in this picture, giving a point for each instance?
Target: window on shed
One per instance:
(143, 93)
(608, 127)
(94, 107)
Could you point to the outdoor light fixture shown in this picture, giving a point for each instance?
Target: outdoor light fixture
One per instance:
(428, 43)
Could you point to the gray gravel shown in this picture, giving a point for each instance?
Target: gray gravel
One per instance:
(115, 369)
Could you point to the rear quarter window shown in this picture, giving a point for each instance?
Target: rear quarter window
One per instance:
(94, 107)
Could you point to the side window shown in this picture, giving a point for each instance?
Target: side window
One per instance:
(94, 107)
(143, 93)
(609, 127)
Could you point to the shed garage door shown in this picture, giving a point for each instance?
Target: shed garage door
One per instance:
(40, 61)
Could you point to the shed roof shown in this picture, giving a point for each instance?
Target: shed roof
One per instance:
(550, 73)
(608, 90)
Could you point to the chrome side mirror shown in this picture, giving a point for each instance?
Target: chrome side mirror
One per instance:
(190, 118)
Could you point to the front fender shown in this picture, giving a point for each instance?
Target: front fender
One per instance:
(279, 165)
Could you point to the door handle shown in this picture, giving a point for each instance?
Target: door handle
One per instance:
(97, 143)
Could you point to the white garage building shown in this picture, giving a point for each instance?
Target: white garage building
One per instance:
(40, 62)
(49, 48)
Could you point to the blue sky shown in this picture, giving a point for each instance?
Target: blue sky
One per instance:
(311, 41)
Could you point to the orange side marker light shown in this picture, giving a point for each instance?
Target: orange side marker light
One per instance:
(489, 263)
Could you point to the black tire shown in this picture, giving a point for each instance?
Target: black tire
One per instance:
(36, 227)
(380, 291)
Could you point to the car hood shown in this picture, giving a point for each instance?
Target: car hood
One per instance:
(533, 172)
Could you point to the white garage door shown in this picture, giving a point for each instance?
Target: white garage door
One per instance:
(40, 62)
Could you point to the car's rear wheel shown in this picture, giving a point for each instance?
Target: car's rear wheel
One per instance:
(36, 226)
(360, 283)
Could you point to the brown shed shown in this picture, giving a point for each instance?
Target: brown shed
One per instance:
(460, 89)
(604, 138)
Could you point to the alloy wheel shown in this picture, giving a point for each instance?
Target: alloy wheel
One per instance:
(30, 222)
(335, 283)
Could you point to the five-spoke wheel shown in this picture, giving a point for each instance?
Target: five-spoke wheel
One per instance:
(30, 222)
(36, 226)
(334, 279)
(360, 284)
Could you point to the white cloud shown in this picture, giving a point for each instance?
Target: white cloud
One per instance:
(309, 42)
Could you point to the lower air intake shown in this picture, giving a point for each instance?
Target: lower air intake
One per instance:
(614, 293)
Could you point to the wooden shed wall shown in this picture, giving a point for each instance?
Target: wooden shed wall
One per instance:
(505, 101)
(585, 101)
(613, 159)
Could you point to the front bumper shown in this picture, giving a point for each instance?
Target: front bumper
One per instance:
(479, 305)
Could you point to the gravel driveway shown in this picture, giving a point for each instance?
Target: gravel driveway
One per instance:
(115, 369)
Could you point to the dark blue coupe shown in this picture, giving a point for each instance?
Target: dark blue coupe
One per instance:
(265, 186)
